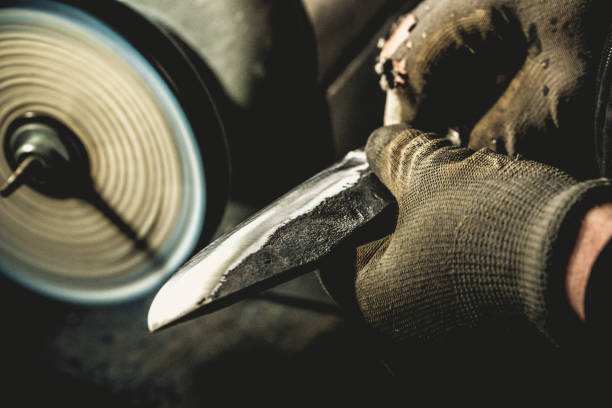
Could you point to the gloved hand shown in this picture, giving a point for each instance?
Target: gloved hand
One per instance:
(519, 75)
(480, 236)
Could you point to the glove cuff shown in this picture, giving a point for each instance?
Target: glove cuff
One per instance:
(556, 233)
(511, 251)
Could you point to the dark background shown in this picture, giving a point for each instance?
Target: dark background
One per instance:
(313, 97)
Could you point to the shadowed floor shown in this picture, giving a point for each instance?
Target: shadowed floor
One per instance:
(290, 340)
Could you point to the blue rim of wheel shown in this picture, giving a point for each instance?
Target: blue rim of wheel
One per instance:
(191, 228)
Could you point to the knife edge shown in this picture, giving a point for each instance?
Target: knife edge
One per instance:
(276, 244)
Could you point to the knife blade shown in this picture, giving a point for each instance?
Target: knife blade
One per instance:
(278, 243)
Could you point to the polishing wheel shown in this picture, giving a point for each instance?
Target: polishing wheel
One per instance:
(114, 162)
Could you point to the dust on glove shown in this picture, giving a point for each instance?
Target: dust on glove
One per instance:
(518, 75)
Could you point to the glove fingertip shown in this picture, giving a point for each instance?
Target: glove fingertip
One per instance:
(384, 147)
(380, 139)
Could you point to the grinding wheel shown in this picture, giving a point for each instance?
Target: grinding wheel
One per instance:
(132, 170)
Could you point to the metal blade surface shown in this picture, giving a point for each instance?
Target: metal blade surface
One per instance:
(276, 244)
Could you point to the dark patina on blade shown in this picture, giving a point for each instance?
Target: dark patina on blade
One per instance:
(277, 244)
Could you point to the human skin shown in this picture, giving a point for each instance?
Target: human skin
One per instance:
(594, 233)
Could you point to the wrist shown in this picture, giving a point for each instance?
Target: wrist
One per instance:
(595, 232)
(553, 235)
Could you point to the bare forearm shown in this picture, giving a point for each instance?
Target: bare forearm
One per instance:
(595, 232)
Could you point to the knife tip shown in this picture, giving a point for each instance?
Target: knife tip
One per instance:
(173, 301)
(161, 313)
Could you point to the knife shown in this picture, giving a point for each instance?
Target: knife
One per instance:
(280, 242)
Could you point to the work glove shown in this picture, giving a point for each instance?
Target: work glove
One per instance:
(479, 237)
(517, 76)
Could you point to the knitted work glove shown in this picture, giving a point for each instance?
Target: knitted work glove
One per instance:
(519, 75)
(479, 237)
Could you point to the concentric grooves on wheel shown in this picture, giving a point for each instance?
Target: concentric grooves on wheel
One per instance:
(73, 74)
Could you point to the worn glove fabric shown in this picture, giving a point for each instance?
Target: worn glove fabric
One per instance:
(479, 237)
(519, 75)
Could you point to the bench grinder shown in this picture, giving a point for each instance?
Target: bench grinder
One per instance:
(114, 161)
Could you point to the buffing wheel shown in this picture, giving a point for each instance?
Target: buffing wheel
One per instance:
(147, 126)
